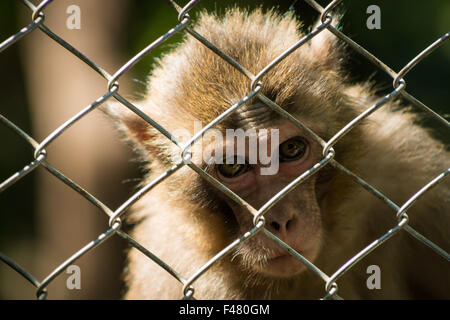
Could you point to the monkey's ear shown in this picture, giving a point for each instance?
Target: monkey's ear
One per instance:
(326, 49)
(134, 129)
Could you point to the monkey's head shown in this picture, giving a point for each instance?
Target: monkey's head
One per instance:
(192, 86)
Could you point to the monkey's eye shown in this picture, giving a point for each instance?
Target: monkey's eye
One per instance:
(293, 149)
(233, 170)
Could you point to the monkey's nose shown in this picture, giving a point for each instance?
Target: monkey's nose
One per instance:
(281, 228)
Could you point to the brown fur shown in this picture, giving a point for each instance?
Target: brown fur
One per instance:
(185, 222)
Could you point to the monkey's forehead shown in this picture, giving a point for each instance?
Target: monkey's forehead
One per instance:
(253, 116)
(193, 83)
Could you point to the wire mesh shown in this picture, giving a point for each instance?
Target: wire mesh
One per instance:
(112, 91)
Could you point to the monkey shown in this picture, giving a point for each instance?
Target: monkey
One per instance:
(186, 220)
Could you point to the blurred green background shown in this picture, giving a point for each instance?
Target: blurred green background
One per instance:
(407, 27)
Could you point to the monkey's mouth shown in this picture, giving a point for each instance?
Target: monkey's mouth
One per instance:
(282, 265)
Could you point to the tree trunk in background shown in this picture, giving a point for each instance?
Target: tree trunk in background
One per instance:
(90, 153)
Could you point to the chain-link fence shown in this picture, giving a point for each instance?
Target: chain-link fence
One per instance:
(112, 91)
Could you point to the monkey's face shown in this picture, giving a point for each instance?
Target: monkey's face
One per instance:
(296, 218)
(194, 84)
